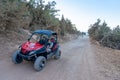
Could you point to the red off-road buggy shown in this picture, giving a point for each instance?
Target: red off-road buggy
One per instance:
(35, 49)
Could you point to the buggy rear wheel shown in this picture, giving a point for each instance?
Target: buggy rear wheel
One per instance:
(57, 55)
(16, 58)
(39, 63)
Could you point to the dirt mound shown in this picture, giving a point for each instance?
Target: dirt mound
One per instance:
(9, 41)
(109, 61)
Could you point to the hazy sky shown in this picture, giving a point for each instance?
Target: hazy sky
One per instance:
(82, 13)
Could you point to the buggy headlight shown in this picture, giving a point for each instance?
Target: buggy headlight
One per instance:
(32, 52)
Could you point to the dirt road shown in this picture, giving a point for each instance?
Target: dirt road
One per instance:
(76, 63)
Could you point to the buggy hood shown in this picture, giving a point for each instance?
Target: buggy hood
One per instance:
(30, 46)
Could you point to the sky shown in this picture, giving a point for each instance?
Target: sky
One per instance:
(83, 13)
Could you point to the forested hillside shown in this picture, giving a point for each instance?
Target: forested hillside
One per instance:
(104, 35)
(32, 15)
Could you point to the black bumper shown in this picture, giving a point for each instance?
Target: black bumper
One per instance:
(25, 57)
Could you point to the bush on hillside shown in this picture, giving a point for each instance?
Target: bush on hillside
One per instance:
(106, 36)
(12, 15)
(32, 15)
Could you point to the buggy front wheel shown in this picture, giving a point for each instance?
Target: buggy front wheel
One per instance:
(57, 55)
(16, 58)
(39, 63)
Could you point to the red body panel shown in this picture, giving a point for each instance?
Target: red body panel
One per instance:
(29, 46)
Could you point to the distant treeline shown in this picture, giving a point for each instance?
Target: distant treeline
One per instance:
(104, 35)
(32, 15)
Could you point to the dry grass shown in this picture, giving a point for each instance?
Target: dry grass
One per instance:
(108, 59)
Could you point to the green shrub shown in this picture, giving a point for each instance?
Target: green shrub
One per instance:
(106, 36)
